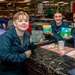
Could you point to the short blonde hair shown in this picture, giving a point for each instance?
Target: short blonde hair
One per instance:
(20, 13)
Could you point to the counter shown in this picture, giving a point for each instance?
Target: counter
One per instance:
(46, 62)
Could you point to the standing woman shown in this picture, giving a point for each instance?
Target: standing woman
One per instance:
(15, 46)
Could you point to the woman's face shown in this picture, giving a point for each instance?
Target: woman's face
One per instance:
(58, 18)
(74, 17)
(21, 24)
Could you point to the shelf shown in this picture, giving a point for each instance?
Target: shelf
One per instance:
(7, 10)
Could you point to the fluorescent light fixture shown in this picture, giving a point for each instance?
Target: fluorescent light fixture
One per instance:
(45, 1)
(66, 3)
(61, 2)
(28, 3)
(52, 4)
(8, 3)
(27, 0)
(2, 0)
(57, 4)
(62, 5)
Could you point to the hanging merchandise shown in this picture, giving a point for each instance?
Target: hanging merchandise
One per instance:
(40, 8)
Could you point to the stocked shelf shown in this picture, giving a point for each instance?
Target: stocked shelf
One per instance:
(14, 6)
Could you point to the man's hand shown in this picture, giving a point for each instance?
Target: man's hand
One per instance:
(49, 33)
(28, 53)
(36, 43)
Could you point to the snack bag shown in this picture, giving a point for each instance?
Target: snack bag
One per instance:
(47, 29)
(65, 32)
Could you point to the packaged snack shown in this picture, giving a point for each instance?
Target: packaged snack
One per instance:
(37, 36)
(65, 32)
(47, 29)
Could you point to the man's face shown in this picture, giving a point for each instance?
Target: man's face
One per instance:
(74, 17)
(58, 18)
(22, 23)
(10, 15)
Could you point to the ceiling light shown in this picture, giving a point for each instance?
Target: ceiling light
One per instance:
(62, 5)
(27, 0)
(2, 0)
(61, 2)
(8, 3)
(66, 3)
(57, 4)
(45, 1)
(28, 3)
(52, 4)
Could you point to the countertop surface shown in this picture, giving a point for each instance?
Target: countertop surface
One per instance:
(46, 61)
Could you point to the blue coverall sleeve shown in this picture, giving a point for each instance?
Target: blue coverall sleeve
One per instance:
(32, 47)
(5, 51)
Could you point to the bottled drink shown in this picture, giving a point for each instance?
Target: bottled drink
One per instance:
(4, 26)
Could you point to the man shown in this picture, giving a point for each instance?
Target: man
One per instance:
(15, 46)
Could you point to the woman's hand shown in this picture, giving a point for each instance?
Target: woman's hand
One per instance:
(28, 53)
(68, 38)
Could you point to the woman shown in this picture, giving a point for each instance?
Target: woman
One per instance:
(15, 46)
(73, 28)
(57, 24)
